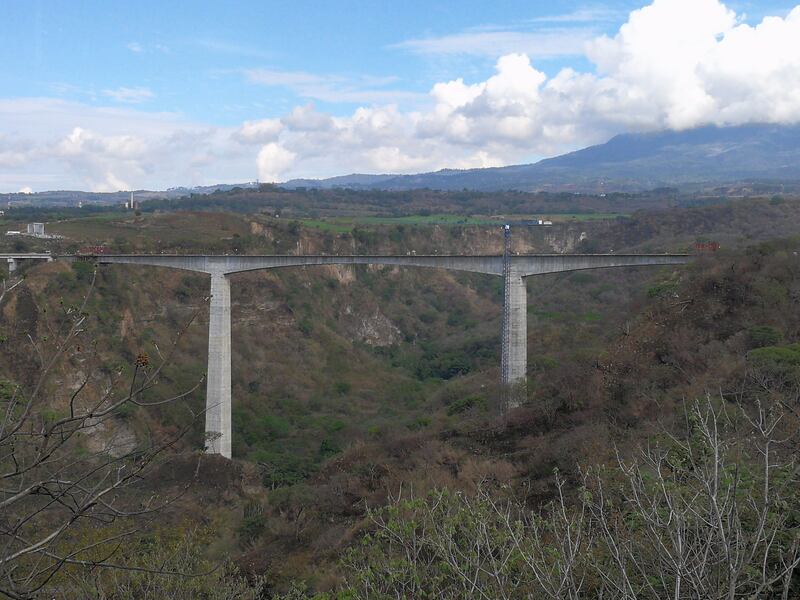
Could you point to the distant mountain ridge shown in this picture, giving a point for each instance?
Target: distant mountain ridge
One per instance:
(705, 155)
(72, 197)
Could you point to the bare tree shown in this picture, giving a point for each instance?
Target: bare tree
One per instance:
(705, 516)
(60, 503)
(711, 514)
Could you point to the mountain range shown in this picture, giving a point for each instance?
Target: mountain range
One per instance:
(741, 157)
(702, 156)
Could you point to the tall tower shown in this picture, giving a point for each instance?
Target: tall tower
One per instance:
(504, 348)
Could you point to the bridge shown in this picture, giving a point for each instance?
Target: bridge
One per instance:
(513, 268)
(13, 260)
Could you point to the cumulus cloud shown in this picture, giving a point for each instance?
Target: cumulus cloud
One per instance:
(273, 161)
(56, 144)
(673, 64)
(258, 132)
(26, 189)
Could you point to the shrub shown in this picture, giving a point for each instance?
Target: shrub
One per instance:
(663, 289)
(465, 404)
(341, 388)
(763, 335)
(328, 448)
(253, 523)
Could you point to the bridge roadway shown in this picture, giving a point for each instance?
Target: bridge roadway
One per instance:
(13, 259)
(514, 354)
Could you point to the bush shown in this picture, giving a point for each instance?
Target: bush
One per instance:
(763, 335)
(306, 326)
(253, 523)
(281, 470)
(779, 362)
(341, 388)
(465, 404)
(84, 271)
(328, 448)
(663, 289)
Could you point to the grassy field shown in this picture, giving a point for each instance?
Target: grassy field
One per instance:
(345, 224)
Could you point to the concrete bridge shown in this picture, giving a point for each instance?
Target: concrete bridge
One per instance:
(514, 268)
(13, 260)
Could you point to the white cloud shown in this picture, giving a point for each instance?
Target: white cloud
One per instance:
(233, 48)
(547, 43)
(68, 145)
(582, 15)
(133, 95)
(673, 63)
(135, 47)
(331, 88)
(258, 132)
(25, 190)
(273, 161)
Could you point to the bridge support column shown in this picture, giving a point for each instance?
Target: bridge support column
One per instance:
(514, 360)
(218, 387)
(12, 265)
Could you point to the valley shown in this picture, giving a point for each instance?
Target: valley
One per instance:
(351, 383)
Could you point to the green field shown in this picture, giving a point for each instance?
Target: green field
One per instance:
(345, 224)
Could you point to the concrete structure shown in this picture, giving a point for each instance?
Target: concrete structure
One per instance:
(514, 359)
(218, 378)
(36, 229)
(13, 260)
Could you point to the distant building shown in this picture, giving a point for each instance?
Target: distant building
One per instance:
(36, 229)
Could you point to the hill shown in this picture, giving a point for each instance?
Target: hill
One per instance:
(705, 156)
(353, 384)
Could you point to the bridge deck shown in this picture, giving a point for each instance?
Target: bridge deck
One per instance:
(524, 265)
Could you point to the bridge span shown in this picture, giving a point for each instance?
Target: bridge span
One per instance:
(13, 260)
(514, 268)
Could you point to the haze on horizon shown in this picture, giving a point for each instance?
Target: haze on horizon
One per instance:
(147, 96)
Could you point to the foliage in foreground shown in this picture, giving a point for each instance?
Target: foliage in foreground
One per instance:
(169, 566)
(713, 515)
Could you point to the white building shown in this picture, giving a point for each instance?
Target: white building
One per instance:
(36, 229)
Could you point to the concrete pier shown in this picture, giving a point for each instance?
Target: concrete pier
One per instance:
(218, 385)
(12, 265)
(514, 359)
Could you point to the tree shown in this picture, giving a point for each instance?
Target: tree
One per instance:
(62, 504)
(711, 514)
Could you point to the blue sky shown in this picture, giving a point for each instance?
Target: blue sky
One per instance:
(75, 72)
(192, 56)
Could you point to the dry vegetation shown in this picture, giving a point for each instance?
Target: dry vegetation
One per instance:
(352, 387)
